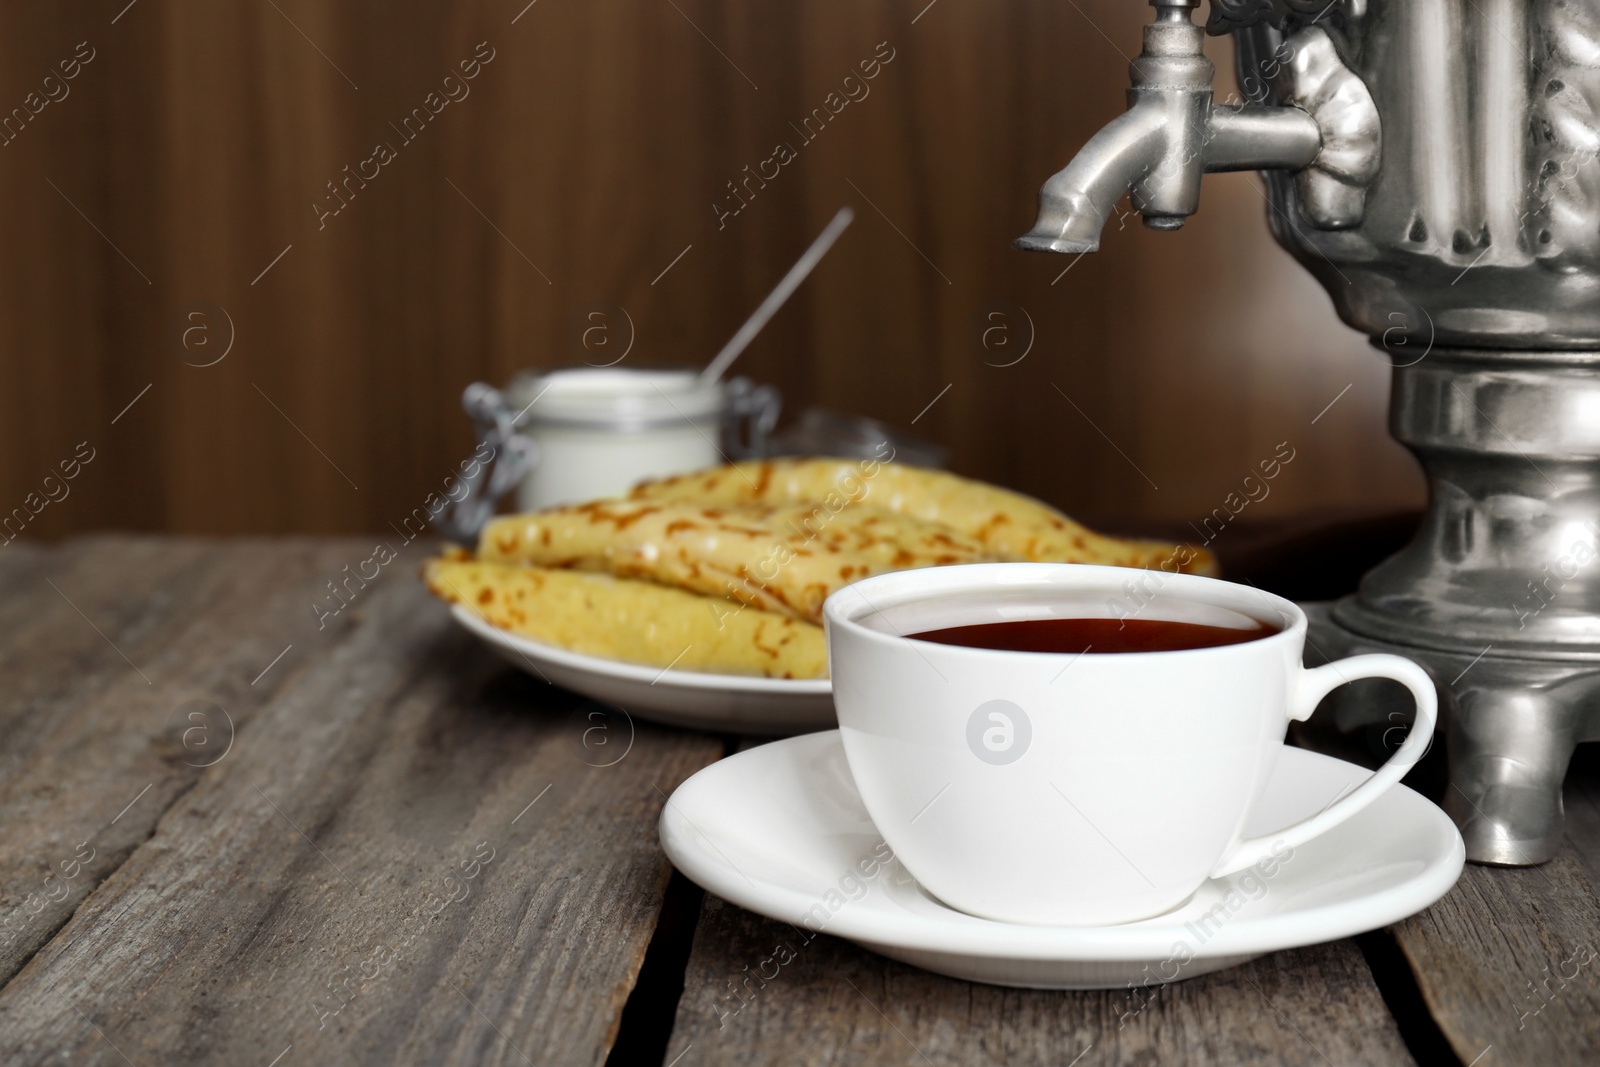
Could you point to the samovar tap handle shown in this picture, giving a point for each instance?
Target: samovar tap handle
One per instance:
(1174, 132)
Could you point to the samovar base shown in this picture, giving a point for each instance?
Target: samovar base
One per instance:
(1509, 725)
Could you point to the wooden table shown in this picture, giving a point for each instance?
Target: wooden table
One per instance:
(233, 836)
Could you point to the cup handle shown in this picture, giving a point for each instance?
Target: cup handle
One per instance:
(1313, 685)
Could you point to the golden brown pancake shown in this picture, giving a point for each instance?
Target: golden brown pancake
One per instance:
(783, 559)
(1007, 525)
(632, 621)
(726, 570)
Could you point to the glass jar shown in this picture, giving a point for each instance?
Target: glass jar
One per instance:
(602, 430)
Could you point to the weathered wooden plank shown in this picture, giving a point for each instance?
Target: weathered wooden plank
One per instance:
(113, 643)
(283, 903)
(834, 1003)
(1507, 962)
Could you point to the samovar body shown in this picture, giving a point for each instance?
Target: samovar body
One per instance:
(1436, 165)
(1481, 224)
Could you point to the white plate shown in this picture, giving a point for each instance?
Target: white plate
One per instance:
(727, 703)
(781, 830)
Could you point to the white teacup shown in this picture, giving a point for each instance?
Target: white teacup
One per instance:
(1079, 789)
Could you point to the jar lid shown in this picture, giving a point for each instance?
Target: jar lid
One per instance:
(614, 398)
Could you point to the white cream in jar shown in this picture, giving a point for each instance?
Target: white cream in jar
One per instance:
(602, 430)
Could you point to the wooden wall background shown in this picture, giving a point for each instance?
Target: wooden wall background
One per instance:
(189, 151)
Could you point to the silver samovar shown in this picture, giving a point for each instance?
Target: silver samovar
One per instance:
(1436, 165)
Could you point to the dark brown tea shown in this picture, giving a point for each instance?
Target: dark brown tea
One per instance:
(1094, 635)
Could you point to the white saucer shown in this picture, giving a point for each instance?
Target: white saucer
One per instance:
(727, 703)
(780, 830)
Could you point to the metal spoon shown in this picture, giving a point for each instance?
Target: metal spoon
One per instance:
(775, 299)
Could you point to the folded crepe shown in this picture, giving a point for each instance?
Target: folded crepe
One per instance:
(1004, 524)
(726, 570)
(785, 559)
(633, 621)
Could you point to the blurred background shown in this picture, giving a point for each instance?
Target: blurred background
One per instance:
(247, 350)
